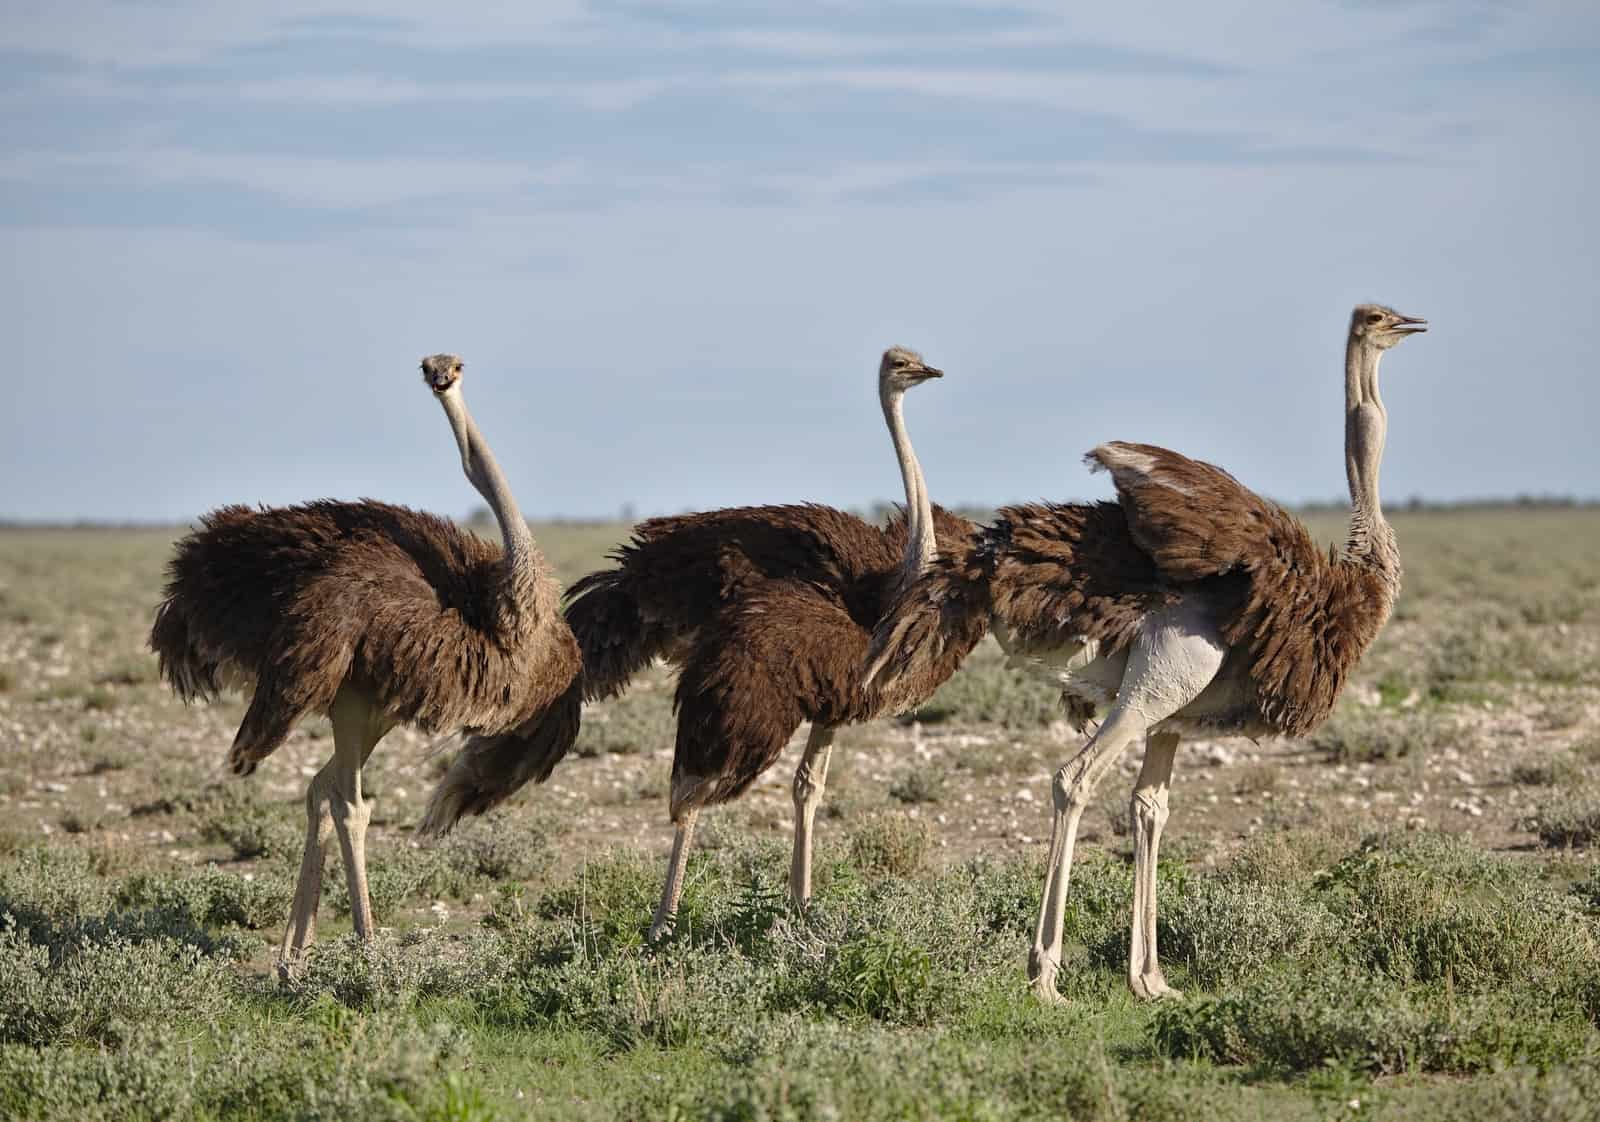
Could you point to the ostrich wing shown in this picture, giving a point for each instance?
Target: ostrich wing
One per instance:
(1063, 574)
(685, 568)
(1303, 618)
(785, 652)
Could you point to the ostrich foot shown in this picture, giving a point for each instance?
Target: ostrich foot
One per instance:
(662, 928)
(1042, 972)
(1153, 987)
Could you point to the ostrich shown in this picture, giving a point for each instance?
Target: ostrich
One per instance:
(767, 613)
(1193, 606)
(375, 615)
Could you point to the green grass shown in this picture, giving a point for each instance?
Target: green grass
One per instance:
(1318, 974)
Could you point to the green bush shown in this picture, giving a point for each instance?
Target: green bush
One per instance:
(884, 977)
(1223, 929)
(891, 844)
(101, 990)
(211, 897)
(1568, 818)
(322, 1066)
(1303, 1019)
(233, 815)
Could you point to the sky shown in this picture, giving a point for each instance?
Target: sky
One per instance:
(671, 240)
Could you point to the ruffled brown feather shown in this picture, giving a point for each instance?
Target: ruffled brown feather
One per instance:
(300, 600)
(1060, 575)
(768, 612)
(1304, 618)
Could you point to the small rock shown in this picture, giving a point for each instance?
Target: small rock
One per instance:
(1023, 795)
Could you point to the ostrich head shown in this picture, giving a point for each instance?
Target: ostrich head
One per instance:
(1375, 325)
(441, 372)
(901, 369)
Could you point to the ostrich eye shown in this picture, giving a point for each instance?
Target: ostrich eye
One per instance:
(1375, 317)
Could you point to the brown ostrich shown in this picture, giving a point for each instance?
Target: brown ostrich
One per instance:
(1191, 606)
(767, 613)
(375, 615)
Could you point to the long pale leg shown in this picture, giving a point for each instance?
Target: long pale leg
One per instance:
(302, 927)
(810, 778)
(357, 728)
(1149, 816)
(1172, 661)
(1070, 791)
(666, 917)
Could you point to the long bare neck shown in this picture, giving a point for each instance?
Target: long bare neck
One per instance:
(522, 558)
(1366, 422)
(920, 543)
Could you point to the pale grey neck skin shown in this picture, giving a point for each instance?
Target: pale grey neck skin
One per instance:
(483, 472)
(920, 544)
(1371, 540)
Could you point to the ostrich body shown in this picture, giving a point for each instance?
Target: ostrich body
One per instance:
(767, 613)
(1192, 605)
(375, 615)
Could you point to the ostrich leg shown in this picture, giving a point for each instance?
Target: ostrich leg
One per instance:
(302, 927)
(357, 728)
(1145, 978)
(666, 917)
(356, 732)
(810, 778)
(1070, 791)
(1172, 661)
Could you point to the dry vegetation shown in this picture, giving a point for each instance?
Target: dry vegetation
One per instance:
(1397, 918)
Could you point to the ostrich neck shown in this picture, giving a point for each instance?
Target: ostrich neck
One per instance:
(483, 472)
(1371, 541)
(920, 543)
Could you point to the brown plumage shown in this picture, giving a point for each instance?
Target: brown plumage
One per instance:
(767, 613)
(768, 609)
(374, 614)
(1057, 575)
(1190, 605)
(1299, 617)
(298, 601)
(797, 591)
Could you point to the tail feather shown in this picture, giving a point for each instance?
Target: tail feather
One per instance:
(183, 665)
(492, 768)
(616, 643)
(616, 640)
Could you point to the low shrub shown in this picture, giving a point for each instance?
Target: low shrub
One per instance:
(101, 990)
(884, 977)
(891, 844)
(1300, 1019)
(1568, 818)
(211, 897)
(1355, 734)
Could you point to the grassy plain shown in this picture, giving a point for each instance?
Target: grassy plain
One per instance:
(1398, 918)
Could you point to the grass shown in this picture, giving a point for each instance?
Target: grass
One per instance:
(1355, 971)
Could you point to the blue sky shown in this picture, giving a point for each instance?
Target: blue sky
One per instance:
(671, 239)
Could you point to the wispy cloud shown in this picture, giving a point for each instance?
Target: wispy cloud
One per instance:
(300, 180)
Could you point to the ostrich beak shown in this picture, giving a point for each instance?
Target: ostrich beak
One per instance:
(1410, 325)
